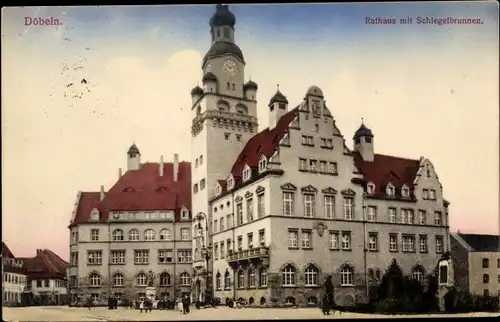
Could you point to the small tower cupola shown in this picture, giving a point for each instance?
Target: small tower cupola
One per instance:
(134, 158)
(196, 94)
(209, 83)
(363, 142)
(278, 106)
(250, 90)
(222, 24)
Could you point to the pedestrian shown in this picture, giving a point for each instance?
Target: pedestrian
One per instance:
(325, 305)
(141, 305)
(90, 302)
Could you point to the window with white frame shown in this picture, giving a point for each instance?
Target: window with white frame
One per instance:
(390, 190)
(372, 242)
(346, 240)
(309, 205)
(133, 234)
(408, 243)
(346, 276)
(432, 194)
(334, 240)
(222, 249)
(230, 183)
(165, 234)
(117, 235)
(118, 279)
(313, 165)
(293, 239)
(239, 213)
(95, 279)
(185, 234)
(227, 281)
(372, 213)
(165, 279)
(393, 242)
(141, 256)
(348, 208)
(322, 166)
(117, 257)
(94, 257)
(410, 216)
(240, 242)
(329, 206)
(262, 164)
(165, 256)
(260, 205)
(332, 167)
(439, 244)
(405, 191)
(251, 277)
(250, 240)
(392, 215)
(288, 276)
(149, 234)
(370, 188)
(250, 209)
(306, 240)
(421, 217)
(94, 234)
(218, 281)
(423, 244)
(241, 279)
(221, 224)
(302, 164)
(403, 216)
(311, 276)
(185, 256)
(218, 189)
(425, 194)
(418, 273)
(287, 197)
(262, 236)
(185, 279)
(247, 173)
(263, 277)
(438, 218)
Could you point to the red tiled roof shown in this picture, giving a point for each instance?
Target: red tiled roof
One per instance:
(6, 251)
(143, 189)
(264, 142)
(44, 265)
(385, 169)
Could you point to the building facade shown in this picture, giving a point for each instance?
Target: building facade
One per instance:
(142, 224)
(476, 261)
(14, 278)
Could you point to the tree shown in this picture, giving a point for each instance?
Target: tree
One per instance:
(329, 290)
(430, 299)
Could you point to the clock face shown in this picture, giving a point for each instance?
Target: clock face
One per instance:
(208, 68)
(230, 67)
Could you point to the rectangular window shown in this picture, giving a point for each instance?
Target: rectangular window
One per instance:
(94, 257)
(332, 167)
(486, 278)
(348, 208)
(408, 243)
(185, 234)
(302, 164)
(393, 242)
(260, 206)
(346, 240)
(229, 222)
(392, 215)
(216, 225)
(165, 256)
(425, 194)
(373, 242)
(423, 244)
(240, 242)
(216, 251)
(432, 194)
(309, 203)
(141, 256)
(421, 217)
(184, 256)
(293, 239)
(222, 250)
(439, 244)
(222, 224)
(403, 216)
(262, 236)
(334, 240)
(74, 259)
(306, 240)
(228, 245)
(117, 257)
(486, 263)
(287, 203)
(250, 240)
(372, 213)
(94, 234)
(313, 165)
(304, 140)
(322, 166)
(438, 218)
(329, 206)
(239, 213)
(410, 216)
(250, 209)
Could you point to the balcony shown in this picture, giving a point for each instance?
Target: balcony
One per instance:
(248, 255)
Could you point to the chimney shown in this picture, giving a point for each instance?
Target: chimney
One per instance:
(176, 167)
(160, 169)
(38, 252)
(101, 198)
(119, 173)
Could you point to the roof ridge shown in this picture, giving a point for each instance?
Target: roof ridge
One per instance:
(395, 157)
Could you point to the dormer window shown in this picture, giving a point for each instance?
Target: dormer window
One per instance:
(370, 188)
(390, 190)
(405, 191)
(94, 215)
(230, 183)
(218, 190)
(262, 163)
(185, 213)
(247, 173)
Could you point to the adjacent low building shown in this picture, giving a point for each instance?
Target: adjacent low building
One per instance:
(476, 260)
(13, 276)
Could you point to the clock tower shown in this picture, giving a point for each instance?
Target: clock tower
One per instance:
(224, 118)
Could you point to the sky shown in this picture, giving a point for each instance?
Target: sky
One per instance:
(424, 90)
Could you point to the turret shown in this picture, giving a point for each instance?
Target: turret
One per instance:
(196, 94)
(363, 143)
(278, 106)
(209, 83)
(250, 90)
(134, 158)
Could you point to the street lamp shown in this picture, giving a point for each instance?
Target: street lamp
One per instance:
(206, 253)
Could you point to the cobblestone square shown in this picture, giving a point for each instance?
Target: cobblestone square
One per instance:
(59, 313)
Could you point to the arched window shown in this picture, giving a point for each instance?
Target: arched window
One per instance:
(133, 234)
(142, 279)
(149, 234)
(251, 277)
(241, 279)
(346, 276)
(251, 300)
(118, 279)
(223, 106)
(218, 281)
(117, 235)
(185, 279)
(164, 279)
(418, 273)
(165, 234)
(290, 300)
(371, 274)
(311, 276)
(262, 300)
(227, 280)
(241, 109)
(288, 275)
(95, 279)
